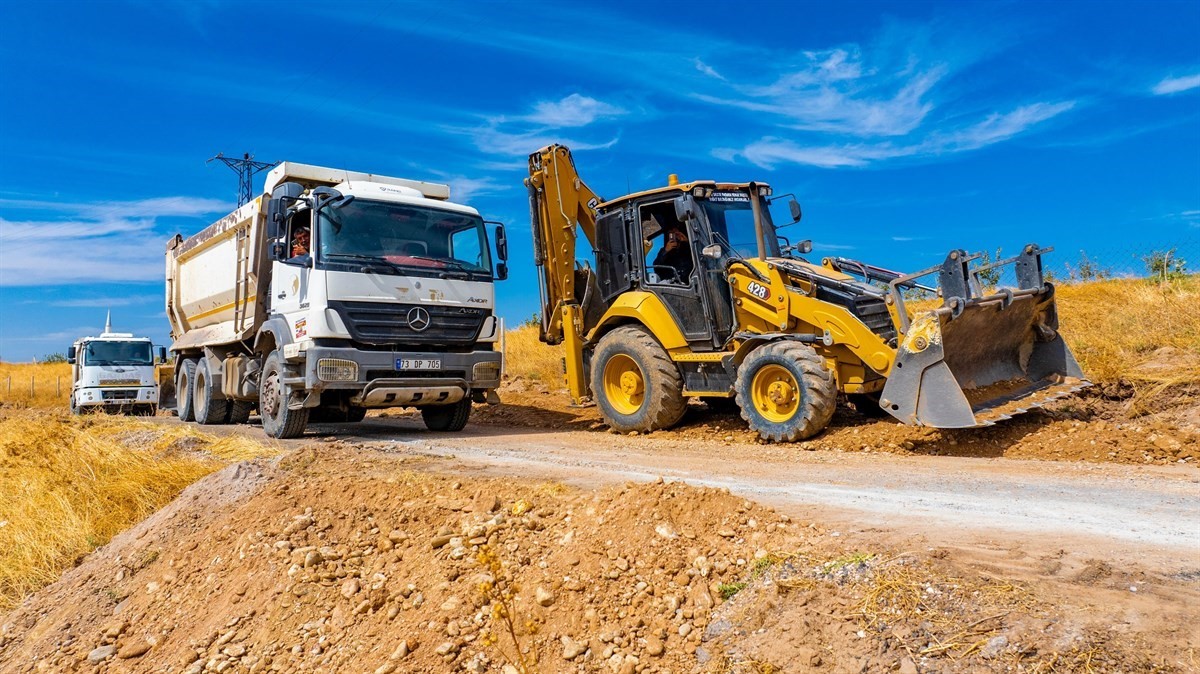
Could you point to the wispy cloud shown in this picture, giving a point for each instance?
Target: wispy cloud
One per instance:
(707, 69)
(519, 135)
(771, 151)
(106, 302)
(1174, 85)
(90, 242)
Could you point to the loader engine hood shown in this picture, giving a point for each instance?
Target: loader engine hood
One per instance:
(866, 302)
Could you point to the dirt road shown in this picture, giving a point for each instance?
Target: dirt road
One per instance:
(1080, 512)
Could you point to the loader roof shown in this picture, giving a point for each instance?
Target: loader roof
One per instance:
(680, 188)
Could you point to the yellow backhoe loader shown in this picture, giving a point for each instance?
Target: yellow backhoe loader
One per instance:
(691, 293)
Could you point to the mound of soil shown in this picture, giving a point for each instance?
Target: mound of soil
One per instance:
(343, 559)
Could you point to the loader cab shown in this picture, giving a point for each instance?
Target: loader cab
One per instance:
(676, 242)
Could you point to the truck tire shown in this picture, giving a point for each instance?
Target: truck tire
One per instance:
(636, 386)
(446, 417)
(278, 421)
(785, 391)
(239, 411)
(183, 390)
(75, 409)
(209, 409)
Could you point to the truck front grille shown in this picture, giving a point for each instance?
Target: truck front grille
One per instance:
(382, 323)
(119, 395)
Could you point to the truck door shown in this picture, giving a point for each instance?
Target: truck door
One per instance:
(290, 277)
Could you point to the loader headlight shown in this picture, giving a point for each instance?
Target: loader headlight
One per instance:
(337, 369)
(700, 192)
(485, 371)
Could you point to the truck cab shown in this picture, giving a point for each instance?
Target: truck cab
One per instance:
(338, 292)
(113, 373)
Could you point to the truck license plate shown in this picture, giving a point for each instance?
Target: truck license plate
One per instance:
(418, 364)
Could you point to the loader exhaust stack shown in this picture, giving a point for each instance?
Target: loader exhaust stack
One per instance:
(980, 357)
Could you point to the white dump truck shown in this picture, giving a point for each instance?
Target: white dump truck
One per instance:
(114, 373)
(332, 293)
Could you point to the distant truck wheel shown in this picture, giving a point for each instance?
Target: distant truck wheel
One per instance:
(183, 390)
(356, 414)
(209, 408)
(785, 391)
(636, 386)
(446, 417)
(75, 409)
(278, 421)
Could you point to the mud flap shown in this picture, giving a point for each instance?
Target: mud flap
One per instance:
(992, 358)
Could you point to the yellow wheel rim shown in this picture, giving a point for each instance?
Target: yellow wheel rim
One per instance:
(624, 384)
(775, 393)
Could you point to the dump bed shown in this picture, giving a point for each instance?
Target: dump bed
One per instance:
(218, 280)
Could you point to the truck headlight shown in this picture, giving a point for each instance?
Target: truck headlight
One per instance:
(485, 371)
(337, 369)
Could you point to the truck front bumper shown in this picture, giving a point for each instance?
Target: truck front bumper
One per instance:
(116, 397)
(381, 382)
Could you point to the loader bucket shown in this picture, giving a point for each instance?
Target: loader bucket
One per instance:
(978, 361)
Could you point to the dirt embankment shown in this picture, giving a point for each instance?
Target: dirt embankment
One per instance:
(343, 559)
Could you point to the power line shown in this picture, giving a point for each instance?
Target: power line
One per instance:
(245, 167)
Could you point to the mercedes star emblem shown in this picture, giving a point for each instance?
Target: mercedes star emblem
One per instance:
(418, 319)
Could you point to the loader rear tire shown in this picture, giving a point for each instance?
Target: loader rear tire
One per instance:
(451, 417)
(210, 409)
(278, 421)
(634, 382)
(183, 390)
(785, 391)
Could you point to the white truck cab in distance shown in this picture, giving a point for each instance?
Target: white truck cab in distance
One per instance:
(113, 373)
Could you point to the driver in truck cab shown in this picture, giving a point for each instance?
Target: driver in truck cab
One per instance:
(301, 240)
(676, 253)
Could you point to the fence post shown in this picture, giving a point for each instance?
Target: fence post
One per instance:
(58, 386)
(31, 387)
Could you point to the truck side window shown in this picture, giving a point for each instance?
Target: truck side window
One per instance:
(667, 244)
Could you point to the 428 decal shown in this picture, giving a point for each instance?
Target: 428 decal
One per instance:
(758, 290)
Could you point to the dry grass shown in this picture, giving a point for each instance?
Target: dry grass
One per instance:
(1114, 327)
(51, 384)
(69, 484)
(527, 357)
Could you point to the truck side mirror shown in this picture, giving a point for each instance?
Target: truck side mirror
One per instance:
(501, 243)
(274, 217)
(162, 354)
(501, 271)
(71, 355)
(794, 206)
(683, 208)
(278, 250)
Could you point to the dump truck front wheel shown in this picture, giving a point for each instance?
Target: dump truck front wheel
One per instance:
(785, 391)
(278, 421)
(451, 417)
(635, 384)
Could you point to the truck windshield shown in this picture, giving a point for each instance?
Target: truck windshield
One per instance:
(118, 353)
(730, 215)
(406, 236)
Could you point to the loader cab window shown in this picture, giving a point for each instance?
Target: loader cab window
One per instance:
(731, 217)
(667, 242)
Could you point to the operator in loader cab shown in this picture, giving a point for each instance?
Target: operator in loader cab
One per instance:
(676, 253)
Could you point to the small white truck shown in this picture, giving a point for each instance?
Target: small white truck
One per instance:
(113, 373)
(332, 293)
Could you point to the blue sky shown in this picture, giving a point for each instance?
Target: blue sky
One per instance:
(905, 129)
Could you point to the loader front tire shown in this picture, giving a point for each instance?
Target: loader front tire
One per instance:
(634, 382)
(785, 391)
(184, 401)
(278, 421)
(209, 407)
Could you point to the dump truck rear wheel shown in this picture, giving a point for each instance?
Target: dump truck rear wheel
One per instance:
(209, 408)
(278, 421)
(636, 386)
(183, 390)
(239, 411)
(446, 417)
(785, 391)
